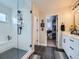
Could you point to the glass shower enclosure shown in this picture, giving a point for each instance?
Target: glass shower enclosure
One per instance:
(15, 28)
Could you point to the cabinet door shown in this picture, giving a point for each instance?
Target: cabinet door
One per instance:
(63, 42)
(68, 50)
(71, 47)
(66, 44)
(72, 53)
(74, 48)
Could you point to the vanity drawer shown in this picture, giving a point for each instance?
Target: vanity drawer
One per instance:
(71, 46)
(74, 46)
(73, 53)
(65, 41)
(74, 42)
(73, 57)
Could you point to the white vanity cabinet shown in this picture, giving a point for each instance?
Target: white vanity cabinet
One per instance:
(70, 45)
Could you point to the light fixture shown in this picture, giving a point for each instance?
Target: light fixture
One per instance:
(76, 7)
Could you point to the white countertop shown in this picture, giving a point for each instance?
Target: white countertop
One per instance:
(72, 35)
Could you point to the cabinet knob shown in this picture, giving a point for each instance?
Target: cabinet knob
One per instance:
(71, 57)
(71, 40)
(71, 48)
(64, 41)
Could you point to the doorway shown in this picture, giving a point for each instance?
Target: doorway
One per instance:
(52, 30)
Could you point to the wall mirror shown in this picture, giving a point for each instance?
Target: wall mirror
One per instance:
(76, 16)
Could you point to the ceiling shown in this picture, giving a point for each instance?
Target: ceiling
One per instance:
(46, 5)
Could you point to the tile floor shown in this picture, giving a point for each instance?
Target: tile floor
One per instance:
(51, 43)
(49, 53)
(12, 54)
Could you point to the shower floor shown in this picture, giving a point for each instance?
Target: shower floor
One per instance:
(13, 53)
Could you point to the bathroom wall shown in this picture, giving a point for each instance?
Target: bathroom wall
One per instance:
(64, 16)
(6, 29)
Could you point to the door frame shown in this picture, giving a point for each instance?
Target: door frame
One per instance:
(56, 28)
(37, 20)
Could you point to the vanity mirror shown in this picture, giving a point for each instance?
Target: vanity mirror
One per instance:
(76, 18)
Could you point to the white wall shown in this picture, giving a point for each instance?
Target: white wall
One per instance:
(6, 29)
(65, 16)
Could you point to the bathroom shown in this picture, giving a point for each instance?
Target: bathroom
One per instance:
(15, 28)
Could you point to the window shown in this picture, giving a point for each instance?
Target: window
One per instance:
(2, 17)
(14, 20)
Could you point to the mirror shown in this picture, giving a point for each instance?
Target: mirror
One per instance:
(77, 19)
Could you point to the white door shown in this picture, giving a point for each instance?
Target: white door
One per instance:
(36, 30)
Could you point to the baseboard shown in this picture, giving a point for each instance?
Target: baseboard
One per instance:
(42, 44)
(59, 47)
(28, 54)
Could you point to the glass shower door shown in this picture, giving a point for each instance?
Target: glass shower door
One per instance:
(24, 26)
(15, 28)
(8, 29)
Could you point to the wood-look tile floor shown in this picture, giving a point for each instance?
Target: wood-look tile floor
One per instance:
(51, 43)
(49, 53)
